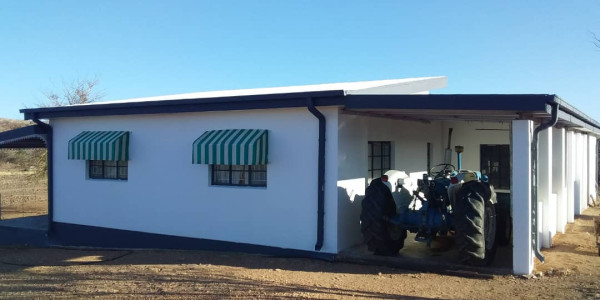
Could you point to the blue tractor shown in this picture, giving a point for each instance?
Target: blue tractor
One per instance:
(446, 201)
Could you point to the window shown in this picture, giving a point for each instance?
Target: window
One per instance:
(379, 158)
(495, 163)
(107, 169)
(241, 175)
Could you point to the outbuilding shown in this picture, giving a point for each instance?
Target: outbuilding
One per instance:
(283, 170)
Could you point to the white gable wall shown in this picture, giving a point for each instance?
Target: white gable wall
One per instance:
(167, 194)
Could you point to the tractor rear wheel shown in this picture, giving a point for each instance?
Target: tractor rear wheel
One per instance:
(475, 224)
(380, 236)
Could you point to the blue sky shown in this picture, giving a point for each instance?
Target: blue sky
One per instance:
(150, 48)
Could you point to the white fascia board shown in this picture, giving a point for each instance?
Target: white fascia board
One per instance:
(403, 87)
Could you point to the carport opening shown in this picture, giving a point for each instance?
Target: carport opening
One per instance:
(23, 176)
(414, 147)
(23, 183)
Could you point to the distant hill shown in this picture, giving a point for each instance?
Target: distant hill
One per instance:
(9, 124)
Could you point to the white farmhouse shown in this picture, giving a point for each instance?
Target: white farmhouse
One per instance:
(283, 170)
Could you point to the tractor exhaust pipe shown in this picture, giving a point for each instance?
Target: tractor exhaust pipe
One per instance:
(459, 150)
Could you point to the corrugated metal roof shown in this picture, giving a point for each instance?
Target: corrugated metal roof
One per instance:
(33, 136)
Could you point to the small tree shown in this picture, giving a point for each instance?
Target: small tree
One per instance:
(80, 91)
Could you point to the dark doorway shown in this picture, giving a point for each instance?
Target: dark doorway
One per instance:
(495, 163)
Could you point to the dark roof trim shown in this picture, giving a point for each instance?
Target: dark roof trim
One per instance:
(33, 136)
(524, 103)
(188, 105)
(324, 98)
(521, 103)
(573, 112)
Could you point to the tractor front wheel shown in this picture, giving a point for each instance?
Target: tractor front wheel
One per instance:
(475, 224)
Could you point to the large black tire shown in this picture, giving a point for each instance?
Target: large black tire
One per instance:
(377, 206)
(475, 220)
(380, 237)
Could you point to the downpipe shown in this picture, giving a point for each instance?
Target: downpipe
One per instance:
(320, 173)
(534, 177)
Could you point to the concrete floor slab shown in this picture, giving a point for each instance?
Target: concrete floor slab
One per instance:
(441, 257)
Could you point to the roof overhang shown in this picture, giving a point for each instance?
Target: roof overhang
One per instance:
(471, 107)
(261, 98)
(321, 98)
(33, 136)
(420, 107)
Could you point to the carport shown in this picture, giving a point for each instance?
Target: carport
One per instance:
(552, 153)
(28, 230)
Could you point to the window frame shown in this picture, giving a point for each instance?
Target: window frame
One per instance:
(372, 156)
(247, 172)
(498, 153)
(119, 166)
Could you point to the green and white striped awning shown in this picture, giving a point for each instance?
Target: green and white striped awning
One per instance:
(100, 145)
(232, 147)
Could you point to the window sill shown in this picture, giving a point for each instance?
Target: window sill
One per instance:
(238, 186)
(106, 179)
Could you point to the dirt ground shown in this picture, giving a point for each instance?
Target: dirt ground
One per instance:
(572, 271)
(22, 193)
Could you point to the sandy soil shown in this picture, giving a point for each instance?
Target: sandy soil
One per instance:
(572, 271)
(22, 193)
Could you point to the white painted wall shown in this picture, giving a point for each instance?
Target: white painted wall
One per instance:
(521, 196)
(578, 173)
(472, 134)
(583, 169)
(409, 142)
(592, 166)
(570, 168)
(584, 173)
(544, 190)
(352, 168)
(167, 194)
(559, 177)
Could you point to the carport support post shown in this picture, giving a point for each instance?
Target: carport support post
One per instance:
(570, 176)
(584, 173)
(545, 188)
(558, 177)
(521, 138)
(579, 164)
(592, 164)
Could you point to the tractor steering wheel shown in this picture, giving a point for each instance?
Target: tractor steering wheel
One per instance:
(442, 170)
